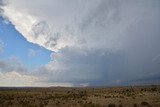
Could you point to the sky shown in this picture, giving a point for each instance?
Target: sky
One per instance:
(79, 42)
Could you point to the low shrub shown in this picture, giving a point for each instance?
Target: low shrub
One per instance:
(111, 105)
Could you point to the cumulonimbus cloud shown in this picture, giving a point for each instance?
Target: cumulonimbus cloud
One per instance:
(96, 42)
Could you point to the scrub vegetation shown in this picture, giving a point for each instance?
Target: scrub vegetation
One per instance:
(132, 96)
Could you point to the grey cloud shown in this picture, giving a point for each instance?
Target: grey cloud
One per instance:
(106, 12)
(157, 57)
(41, 28)
(12, 64)
(2, 2)
(99, 65)
(95, 67)
(82, 67)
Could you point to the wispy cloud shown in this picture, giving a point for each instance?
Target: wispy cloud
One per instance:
(2, 46)
(32, 52)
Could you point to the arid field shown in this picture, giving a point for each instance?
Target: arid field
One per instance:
(131, 96)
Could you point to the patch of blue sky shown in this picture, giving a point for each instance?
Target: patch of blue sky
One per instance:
(17, 46)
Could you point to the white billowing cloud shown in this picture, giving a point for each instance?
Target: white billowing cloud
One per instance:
(96, 41)
(57, 24)
(36, 29)
(16, 79)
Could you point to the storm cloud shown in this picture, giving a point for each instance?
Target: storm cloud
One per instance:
(94, 42)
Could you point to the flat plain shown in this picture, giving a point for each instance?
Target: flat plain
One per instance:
(129, 96)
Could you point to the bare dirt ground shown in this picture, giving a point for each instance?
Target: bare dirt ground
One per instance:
(131, 96)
